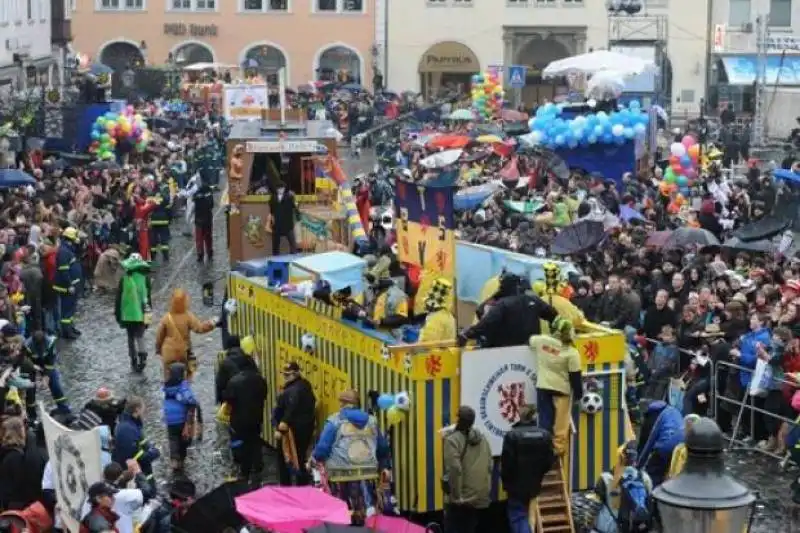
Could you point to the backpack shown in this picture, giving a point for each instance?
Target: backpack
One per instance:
(635, 513)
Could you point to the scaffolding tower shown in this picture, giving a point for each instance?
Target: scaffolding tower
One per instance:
(644, 30)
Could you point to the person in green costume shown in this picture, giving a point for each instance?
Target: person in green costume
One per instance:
(133, 305)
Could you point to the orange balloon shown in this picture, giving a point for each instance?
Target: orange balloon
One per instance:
(674, 160)
(694, 151)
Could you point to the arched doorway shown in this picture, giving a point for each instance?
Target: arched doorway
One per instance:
(124, 58)
(265, 60)
(536, 53)
(190, 53)
(340, 63)
(447, 65)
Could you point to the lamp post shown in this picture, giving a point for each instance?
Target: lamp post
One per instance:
(704, 498)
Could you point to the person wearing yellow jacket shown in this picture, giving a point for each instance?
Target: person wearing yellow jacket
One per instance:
(679, 454)
(440, 324)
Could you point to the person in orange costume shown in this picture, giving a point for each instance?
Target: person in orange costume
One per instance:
(141, 215)
(173, 336)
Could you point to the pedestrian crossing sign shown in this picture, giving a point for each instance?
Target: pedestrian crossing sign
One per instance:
(516, 76)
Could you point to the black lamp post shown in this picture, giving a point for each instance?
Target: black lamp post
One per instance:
(704, 498)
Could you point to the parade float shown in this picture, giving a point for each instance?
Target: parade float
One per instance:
(303, 155)
(417, 388)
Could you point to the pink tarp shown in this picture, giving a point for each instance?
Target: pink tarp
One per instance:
(291, 509)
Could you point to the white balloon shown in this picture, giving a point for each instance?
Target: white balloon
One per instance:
(617, 130)
(677, 149)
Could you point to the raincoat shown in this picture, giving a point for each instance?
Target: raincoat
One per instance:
(133, 294)
(173, 336)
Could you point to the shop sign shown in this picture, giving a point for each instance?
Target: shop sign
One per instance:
(448, 61)
(276, 147)
(449, 57)
(179, 29)
(779, 43)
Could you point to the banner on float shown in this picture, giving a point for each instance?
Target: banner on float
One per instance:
(244, 102)
(76, 464)
(425, 226)
(496, 383)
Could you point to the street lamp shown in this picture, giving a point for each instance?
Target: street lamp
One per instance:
(704, 498)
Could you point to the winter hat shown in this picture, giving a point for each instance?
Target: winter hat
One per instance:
(439, 295)
(248, 345)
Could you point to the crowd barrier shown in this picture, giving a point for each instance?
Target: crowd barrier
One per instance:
(746, 404)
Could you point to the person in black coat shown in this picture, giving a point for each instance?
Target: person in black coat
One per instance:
(282, 213)
(204, 221)
(234, 361)
(246, 394)
(528, 454)
(294, 417)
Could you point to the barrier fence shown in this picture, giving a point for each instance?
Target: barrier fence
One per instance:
(746, 406)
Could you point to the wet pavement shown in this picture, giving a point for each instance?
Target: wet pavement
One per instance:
(99, 358)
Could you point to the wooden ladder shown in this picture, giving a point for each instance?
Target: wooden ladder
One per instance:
(554, 508)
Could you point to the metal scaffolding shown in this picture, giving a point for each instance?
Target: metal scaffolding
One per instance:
(757, 132)
(643, 30)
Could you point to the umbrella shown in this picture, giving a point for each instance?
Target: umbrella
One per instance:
(515, 128)
(449, 141)
(579, 237)
(99, 68)
(155, 123)
(766, 246)
(765, 228)
(513, 115)
(461, 114)
(282, 509)
(524, 207)
(352, 87)
(441, 159)
(548, 161)
(471, 197)
(787, 175)
(489, 139)
(392, 524)
(597, 61)
(606, 85)
(214, 511)
(306, 89)
(337, 528)
(627, 214)
(105, 165)
(475, 156)
(14, 177)
(690, 237)
(657, 238)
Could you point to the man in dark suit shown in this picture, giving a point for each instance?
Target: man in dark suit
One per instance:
(282, 212)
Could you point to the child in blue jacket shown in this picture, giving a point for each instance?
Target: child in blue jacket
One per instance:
(181, 412)
(130, 441)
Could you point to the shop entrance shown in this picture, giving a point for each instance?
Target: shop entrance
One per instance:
(447, 65)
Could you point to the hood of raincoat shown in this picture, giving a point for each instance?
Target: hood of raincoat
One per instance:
(179, 303)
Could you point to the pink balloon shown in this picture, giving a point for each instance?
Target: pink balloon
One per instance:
(688, 141)
(690, 173)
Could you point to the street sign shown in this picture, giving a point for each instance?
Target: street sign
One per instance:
(516, 76)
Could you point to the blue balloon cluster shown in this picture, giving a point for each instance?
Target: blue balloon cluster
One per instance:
(619, 127)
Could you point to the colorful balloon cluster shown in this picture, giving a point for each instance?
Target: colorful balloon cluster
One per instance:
(487, 94)
(683, 163)
(395, 405)
(619, 127)
(114, 131)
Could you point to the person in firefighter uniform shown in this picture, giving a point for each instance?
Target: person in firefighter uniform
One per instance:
(67, 279)
(159, 221)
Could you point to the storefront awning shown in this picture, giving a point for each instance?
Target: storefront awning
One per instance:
(449, 56)
(781, 69)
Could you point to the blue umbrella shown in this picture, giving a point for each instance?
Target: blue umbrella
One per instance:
(13, 177)
(788, 175)
(99, 68)
(627, 213)
(352, 87)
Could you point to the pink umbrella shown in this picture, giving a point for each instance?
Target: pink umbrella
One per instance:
(392, 524)
(291, 509)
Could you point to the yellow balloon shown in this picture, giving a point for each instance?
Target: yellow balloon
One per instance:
(394, 416)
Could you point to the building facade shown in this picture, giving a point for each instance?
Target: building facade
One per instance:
(432, 43)
(312, 39)
(26, 56)
(733, 64)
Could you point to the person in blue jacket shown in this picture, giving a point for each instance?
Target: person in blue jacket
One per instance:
(130, 441)
(662, 431)
(746, 355)
(180, 406)
(67, 280)
(41, 349)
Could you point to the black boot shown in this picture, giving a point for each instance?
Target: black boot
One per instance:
(134, 362)
(142, 362)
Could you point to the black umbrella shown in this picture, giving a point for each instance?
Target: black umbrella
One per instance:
(766, 246)
(215, 511)
(765, 228)
(306, 88)
(105, 165)
(578, 238)
(516, 128)
(690, 238)
(337, 528)
(75, 158)
(155, 123)
(549, 160)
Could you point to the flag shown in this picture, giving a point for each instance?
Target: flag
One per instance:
(426, 226)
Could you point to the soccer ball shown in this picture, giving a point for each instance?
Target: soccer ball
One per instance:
(591, 403)
(231, 306)
(402, 401)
